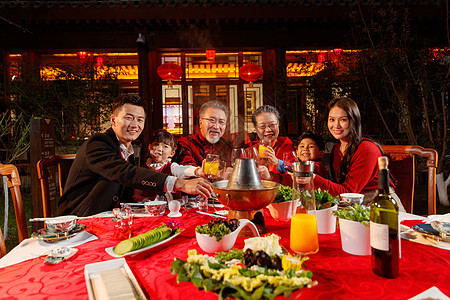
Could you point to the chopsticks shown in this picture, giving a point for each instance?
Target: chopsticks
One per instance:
(211, 215)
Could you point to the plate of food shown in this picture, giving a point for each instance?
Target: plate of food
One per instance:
(50, 237)
(145, 241)
(260, 272)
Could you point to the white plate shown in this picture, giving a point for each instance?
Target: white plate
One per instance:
(91, 270)
(111, 252)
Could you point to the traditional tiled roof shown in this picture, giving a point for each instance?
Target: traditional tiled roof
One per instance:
(199, 3)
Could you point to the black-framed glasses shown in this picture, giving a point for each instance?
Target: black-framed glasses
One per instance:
(272, 126)
(213, 121)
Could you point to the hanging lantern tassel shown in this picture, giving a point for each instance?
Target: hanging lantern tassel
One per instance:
(250, 73)
(170, 72)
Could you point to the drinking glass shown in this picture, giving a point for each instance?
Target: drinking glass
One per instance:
(116, 213)
(263, 145)
(236, 153)
(126, 215)
(202, 203)
(213, 166)
(304, 237)
(289, 158)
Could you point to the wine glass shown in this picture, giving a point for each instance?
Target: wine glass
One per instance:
(236, 153)
(288, 159)
(252, 152)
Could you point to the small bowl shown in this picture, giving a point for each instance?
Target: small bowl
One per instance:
(351, 199)
(61, 224)
(155, 208)
(209, 244)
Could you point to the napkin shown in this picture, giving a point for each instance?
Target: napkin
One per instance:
(431, 293)
(408, 234)
(32, 248)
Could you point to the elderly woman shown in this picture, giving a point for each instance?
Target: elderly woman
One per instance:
(266, 120)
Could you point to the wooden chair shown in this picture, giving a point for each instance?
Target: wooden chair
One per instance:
(402, 167)
(13, 182)
(2, 245)
(63, 162)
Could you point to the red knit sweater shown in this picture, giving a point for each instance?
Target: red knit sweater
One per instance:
(362, 176)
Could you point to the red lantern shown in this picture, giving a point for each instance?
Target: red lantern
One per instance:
(169, 72)
(99, 61)
(337, 51)
(321, 58)
(250, 72)
(211, 55)
(82, 54)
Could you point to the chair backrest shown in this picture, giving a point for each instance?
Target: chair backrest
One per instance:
(402, 167)
(2, 245)
(63, 164)
(13, 182)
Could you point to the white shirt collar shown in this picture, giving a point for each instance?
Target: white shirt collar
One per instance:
(126, 152)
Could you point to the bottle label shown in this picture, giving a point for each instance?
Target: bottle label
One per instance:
(379, 236)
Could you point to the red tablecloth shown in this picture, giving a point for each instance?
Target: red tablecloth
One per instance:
(339, 275)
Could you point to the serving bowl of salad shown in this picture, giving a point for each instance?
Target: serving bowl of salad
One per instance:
(220, 235)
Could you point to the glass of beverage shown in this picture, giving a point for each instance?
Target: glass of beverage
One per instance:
(289, 158)
(116, 213)
(202, 203)
(126, 215)
(304, 237)
(263, 145)
(213, 166)
(236, 153)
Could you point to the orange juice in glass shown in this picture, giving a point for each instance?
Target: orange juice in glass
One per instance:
(263, 145)
(304, 238)
(212, 166)
(211, 169)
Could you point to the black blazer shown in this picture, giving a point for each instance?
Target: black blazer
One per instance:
(100, 177)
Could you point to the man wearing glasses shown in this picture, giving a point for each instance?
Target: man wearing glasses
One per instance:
(213, 122)
(266, 120)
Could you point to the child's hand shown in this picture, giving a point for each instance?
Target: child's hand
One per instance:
(200, 171)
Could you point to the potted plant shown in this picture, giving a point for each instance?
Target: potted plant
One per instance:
(325, 205)
(354, 227)
(280, 208)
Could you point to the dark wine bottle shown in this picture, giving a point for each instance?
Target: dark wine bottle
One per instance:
(384, 226)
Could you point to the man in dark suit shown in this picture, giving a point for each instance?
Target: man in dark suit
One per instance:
(103, 173)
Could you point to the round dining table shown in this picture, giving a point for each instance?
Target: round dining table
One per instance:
(339, 275)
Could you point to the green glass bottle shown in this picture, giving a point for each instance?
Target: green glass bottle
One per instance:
(384, 227)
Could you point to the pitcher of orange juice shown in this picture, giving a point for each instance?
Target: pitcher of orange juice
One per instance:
(303, 238)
